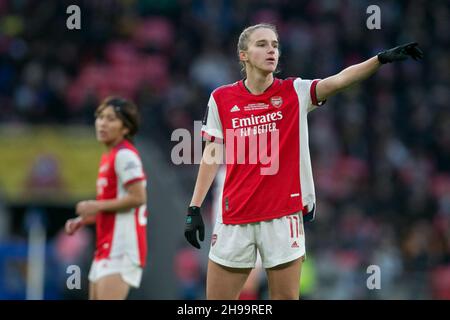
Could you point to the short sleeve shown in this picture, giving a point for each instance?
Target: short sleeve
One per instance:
(212, 126)
(306, 91)
(128, 167)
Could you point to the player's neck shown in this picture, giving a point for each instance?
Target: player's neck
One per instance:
(257, 83)
(110, 145)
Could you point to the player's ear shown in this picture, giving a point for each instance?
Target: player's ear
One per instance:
(125, 131)
(243, 56)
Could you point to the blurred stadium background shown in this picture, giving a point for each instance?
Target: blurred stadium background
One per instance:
(380, 151)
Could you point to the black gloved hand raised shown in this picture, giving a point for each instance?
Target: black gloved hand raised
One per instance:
(194, 222)
(401, 53)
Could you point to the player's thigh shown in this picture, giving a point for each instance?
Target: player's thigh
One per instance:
(92, 291)
(233, 246)
(111, 287)
(281, 243)
(224, 283)
(284, 280)
(281, 240)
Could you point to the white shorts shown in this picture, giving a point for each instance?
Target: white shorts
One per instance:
(278, 241)
(131, 273)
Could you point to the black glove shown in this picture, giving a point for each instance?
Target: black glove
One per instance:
(310, 215)
(401, 53)
(194, 222)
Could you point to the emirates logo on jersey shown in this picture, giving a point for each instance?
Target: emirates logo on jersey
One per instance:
(213, 240)
(276, 101)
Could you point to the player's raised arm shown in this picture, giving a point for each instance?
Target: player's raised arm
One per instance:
(358, 72)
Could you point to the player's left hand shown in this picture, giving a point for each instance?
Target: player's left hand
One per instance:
(401, 53)
(72, 225)
(194, 223)
(87, 208)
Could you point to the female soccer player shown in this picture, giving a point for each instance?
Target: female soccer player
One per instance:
(120, 209)
(264, 200)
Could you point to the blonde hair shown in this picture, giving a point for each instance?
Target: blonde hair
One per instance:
(244, 39)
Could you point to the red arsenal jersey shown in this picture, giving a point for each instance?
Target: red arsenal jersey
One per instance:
(268, 166)
(121, 233)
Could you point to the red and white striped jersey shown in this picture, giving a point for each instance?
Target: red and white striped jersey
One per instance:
(121, 233)
(253, 129)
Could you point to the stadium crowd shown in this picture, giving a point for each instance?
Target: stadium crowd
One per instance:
(380, 152)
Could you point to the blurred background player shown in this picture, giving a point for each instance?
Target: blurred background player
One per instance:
(120, 209)
(263, 205)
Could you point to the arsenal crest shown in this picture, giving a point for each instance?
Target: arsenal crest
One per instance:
(276, 101)
(213, 240)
